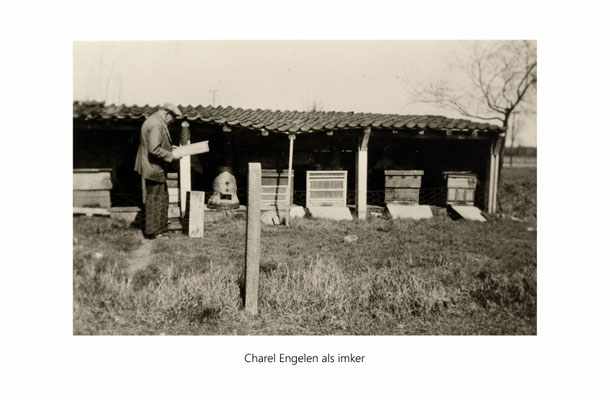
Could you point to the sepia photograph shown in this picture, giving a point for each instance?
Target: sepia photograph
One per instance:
(315, 187)
(326, 200)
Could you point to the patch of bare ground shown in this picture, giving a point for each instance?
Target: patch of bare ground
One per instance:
(140, 258)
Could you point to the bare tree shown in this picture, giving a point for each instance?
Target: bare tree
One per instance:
(316, 105)
(499, 80)
(103, 79)
(513, 134)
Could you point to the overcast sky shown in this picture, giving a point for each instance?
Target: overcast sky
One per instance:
(360, 76)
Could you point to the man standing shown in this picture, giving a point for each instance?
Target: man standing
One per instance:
(152, 162)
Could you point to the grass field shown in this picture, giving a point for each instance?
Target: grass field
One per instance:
(431, 277)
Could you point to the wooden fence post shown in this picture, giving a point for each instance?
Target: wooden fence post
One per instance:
(196, 207)
(253, 237)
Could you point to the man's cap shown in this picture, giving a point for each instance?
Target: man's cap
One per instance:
(173, 109)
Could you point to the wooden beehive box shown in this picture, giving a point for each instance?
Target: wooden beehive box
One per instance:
(91, 187)
(402, 186)
(460, 187)
(326, 189)
(173, 212)
(275, 193)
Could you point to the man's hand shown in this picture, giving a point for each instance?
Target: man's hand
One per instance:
(175, 156)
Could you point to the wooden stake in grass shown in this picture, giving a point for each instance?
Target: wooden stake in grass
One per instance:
(253, 237)
(196, 207)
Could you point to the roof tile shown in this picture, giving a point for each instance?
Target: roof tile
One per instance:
(285, 121)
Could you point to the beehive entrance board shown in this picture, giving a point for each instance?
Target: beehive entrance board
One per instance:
(398, 211)
(469, 212)
(326, 189)
(333, 213)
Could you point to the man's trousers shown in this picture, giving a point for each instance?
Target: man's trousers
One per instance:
(156, 207)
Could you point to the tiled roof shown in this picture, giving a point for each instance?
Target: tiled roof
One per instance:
(282, 121)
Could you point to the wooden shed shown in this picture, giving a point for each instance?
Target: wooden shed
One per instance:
(361, 145)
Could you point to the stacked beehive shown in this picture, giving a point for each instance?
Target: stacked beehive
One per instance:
(402, 186)
(275, 194)
(91, 191)
(326, 189)
(173, 213)
(461, 187)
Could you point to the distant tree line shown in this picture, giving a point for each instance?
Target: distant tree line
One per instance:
(521, 151)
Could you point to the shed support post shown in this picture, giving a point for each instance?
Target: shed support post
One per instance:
(495, 186)
(291, 137)
(185, 168)
(361, 173)
(490, 180)
(494, 168)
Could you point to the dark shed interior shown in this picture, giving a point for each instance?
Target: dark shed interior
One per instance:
(113, 144)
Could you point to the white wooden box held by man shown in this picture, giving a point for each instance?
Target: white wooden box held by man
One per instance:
(191, 149)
